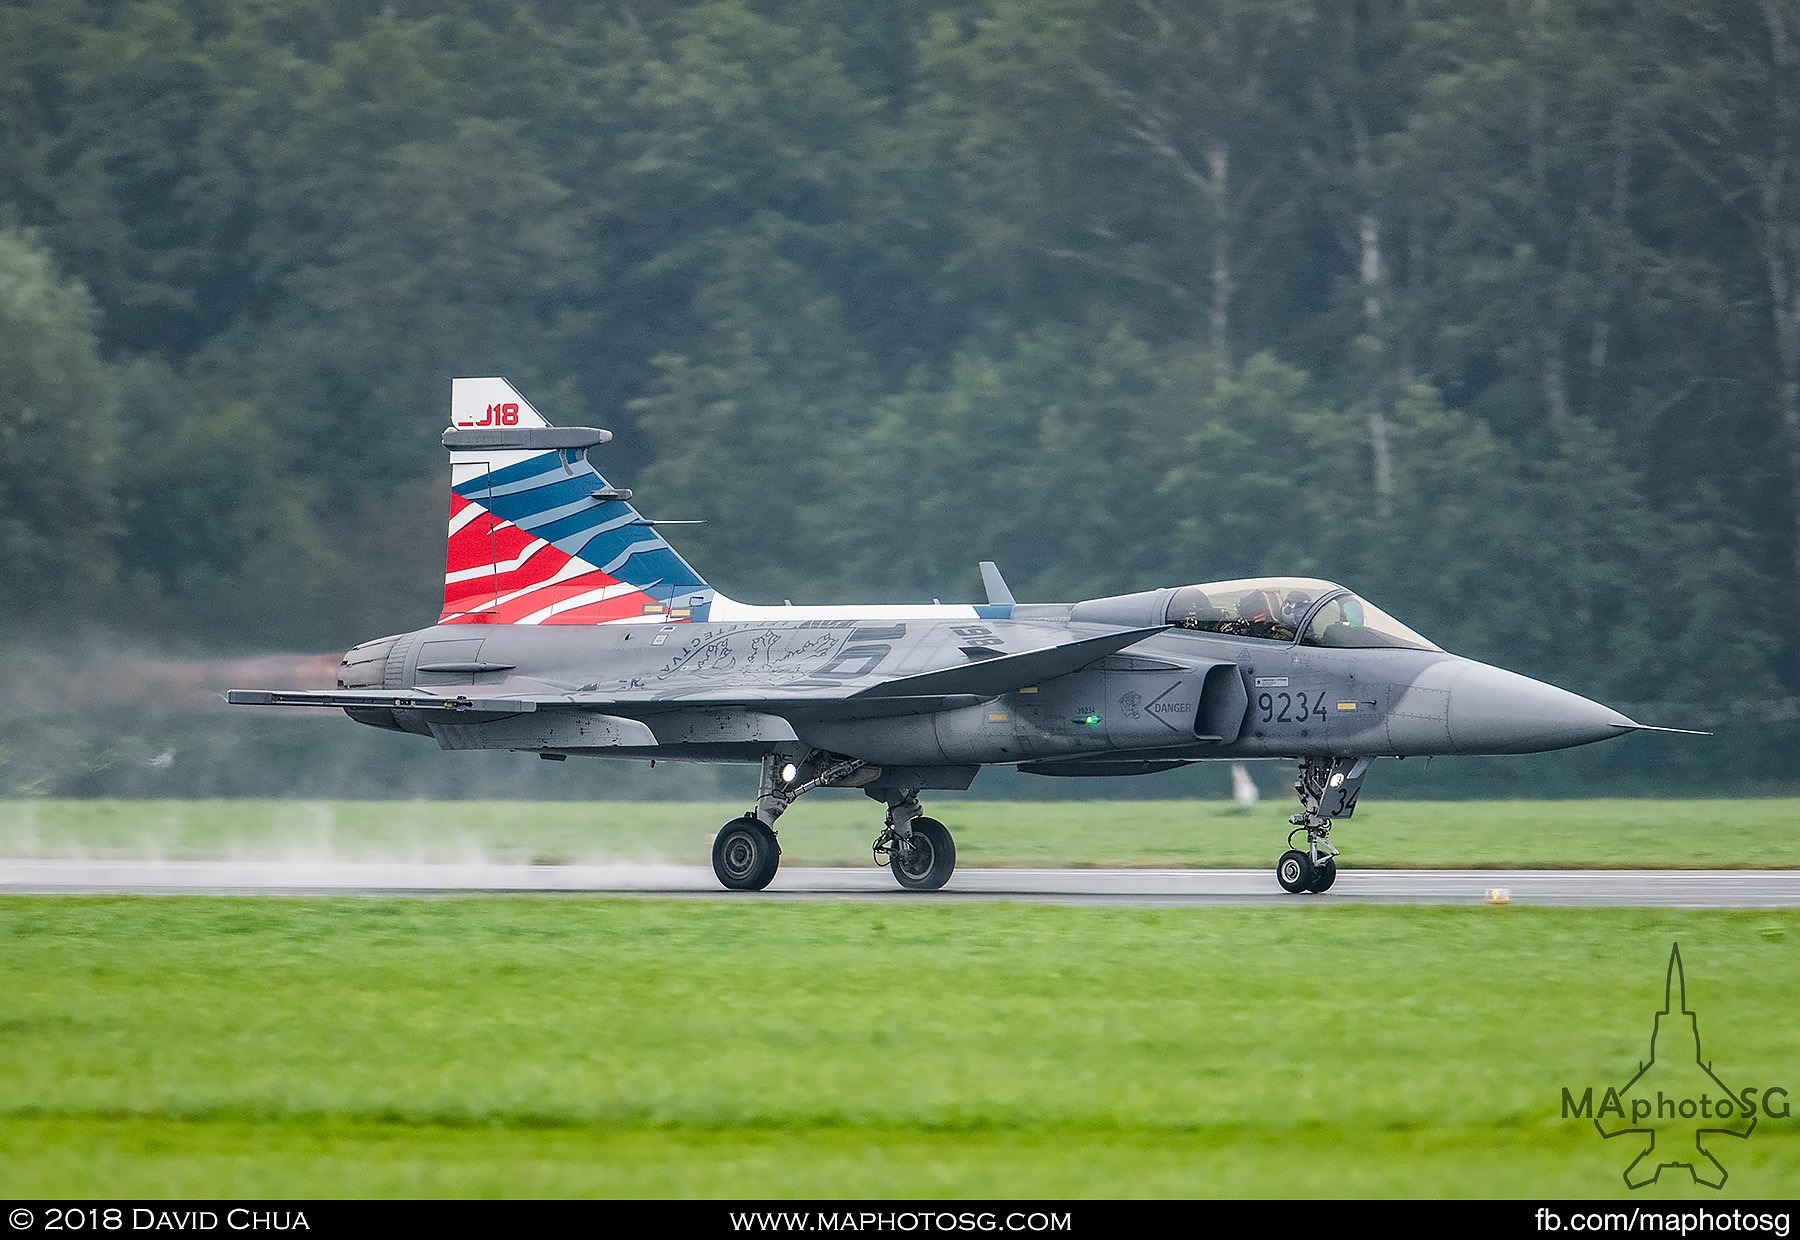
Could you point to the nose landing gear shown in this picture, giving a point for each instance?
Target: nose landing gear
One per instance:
(1298, 872)
(1327, 788)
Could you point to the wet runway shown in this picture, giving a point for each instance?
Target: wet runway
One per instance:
(1579, 888)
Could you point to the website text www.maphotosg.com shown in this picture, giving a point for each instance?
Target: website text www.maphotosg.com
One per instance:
(901, 1220)
(1687, 1221)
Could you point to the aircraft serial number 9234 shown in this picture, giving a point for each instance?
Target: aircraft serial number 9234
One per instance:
(570, 627)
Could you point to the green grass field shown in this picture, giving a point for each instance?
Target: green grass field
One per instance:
(562, 1047)
(577, 1046)
(838, 829)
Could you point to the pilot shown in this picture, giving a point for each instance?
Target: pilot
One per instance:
(1189, 606)
(1293, 608)
(1258, 614)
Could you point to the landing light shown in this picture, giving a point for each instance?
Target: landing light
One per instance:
(788, 773)
(1336, 781)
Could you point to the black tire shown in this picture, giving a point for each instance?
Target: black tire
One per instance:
(929, 863)
(1294, 871)
(1324, 874)
(745, 854)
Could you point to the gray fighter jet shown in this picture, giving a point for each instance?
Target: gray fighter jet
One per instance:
(571, 628)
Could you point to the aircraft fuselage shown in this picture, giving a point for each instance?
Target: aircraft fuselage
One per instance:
(1173, 697)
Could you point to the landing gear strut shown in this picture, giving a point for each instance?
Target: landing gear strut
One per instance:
(746, 852)
(1327, 788)
(917, 849)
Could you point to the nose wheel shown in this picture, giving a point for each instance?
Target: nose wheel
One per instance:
(1298, 872)
(1324, 874)
(1328, 789)
(1294, 871)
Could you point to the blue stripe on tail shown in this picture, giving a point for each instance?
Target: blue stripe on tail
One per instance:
(550, 496)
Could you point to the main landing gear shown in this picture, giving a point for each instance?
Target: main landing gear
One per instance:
(1327, 788)
(745, 853)
(917, 850)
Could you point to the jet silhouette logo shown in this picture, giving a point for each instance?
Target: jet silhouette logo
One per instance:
(1676, 1104)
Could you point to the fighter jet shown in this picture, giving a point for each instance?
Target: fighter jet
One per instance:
(571, 628)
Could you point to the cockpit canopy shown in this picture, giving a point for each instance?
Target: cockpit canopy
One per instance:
(1283, 609)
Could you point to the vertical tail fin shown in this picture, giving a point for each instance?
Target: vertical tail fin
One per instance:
(536, 534)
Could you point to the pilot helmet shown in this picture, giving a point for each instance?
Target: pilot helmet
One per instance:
(1189, 605)
(1294, 606)
(1254, 605)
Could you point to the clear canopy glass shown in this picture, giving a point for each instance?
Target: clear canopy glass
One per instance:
(1283, 609)
(1348, 621)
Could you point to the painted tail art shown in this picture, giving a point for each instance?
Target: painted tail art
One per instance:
(536, 534)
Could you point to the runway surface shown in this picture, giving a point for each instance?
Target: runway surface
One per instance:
(1589, 888)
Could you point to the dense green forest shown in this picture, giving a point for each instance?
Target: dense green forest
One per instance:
(1490, 311)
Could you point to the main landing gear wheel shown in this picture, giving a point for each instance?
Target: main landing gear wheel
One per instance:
(925, 862)
(1324, 874)
(745, 854)
(1295, 871)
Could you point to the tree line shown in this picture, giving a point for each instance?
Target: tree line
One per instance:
(1490, 311)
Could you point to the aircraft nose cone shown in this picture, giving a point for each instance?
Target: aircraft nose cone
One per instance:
(1496, 711)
